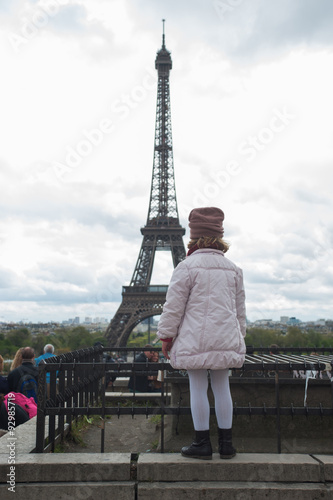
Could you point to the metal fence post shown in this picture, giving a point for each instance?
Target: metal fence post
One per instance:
(41, 397)
(278, 423)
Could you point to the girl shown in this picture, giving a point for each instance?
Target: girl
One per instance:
(203, 326)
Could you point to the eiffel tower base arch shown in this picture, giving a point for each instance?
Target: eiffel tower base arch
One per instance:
(138, 303)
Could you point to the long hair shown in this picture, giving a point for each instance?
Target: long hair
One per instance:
(209, 242)
(17, 361)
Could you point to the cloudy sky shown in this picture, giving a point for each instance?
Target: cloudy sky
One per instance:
(252, 108)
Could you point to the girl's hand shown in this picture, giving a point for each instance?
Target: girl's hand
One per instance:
(166, 348)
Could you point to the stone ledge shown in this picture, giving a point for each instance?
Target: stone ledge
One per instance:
(233, 491)
(327, 464)
(71, 491)
(138, 395)
(55, 467)
(249, 467)
(25, 435)
(169, 467)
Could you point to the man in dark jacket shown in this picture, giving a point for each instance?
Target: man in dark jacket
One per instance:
(27, 367)
(142, 383)
(106, 359)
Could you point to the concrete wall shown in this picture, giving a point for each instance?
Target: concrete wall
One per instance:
(299, 434)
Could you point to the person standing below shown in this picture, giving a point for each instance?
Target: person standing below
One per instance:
(106, 358)
(203, 326)
(143, 383)
(48, 353)
(27, 367)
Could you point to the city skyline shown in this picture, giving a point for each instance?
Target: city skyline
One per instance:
(252, 133)
(76, 320)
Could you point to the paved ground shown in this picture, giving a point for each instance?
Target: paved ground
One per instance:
(126, 434)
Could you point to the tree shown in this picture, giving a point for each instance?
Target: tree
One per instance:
(38, 342)
(295, 338)
(7, 350)
(78, 338)
(20, 337)
(262, 337)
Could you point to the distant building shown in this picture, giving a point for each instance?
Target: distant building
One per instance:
(284, 319)
(293, 321)
(263, 322)
(76, 320)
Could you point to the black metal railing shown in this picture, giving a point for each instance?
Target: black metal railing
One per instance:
(74, 383)
(78, 384)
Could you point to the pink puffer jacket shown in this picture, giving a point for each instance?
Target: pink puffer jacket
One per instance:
(204, 313)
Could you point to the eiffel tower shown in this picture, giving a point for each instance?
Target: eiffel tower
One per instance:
(141, 300)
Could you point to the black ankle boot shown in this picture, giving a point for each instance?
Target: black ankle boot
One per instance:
(226, 449)
(200, 448)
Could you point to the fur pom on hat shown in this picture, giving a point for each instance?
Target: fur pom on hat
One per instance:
(206, 221)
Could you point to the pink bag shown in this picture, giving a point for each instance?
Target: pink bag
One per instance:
(28, 404)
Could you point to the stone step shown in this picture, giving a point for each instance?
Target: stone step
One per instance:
(62, 467)
(71, 491)
(168, 467)
(168, 476)
(249, 467)
(169, 491)
(234, 491)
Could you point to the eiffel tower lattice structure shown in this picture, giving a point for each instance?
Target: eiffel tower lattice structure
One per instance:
(141, 300)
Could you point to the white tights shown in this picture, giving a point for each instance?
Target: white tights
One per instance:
(200, 408)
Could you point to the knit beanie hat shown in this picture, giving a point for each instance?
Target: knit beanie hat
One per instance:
(206, 221)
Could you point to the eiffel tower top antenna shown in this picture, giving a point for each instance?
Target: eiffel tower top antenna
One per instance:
(163, 36)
